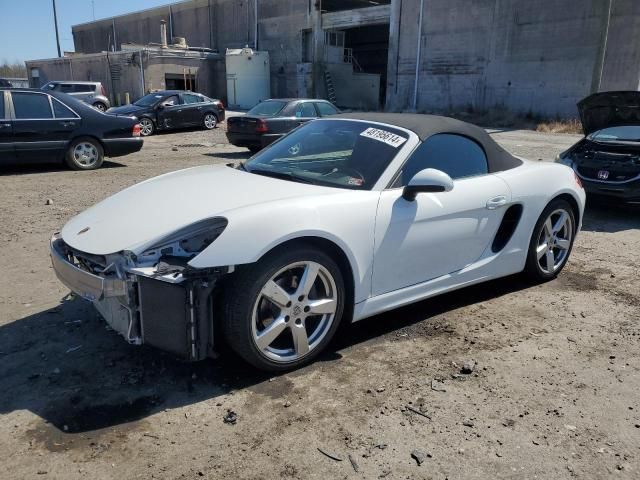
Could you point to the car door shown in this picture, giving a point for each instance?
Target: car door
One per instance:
(83, 92)
(305, 112)
(437, 233)
(37, 133)
(193, 109)
(7, 152)
(326, 109)
(170, 112)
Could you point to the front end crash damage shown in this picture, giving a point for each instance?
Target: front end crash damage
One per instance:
(153, 298)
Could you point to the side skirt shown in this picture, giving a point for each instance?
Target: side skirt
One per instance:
(505, 263)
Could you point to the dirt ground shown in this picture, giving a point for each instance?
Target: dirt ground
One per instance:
(554, 393)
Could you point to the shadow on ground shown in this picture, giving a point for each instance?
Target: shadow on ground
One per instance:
(65, 365)
(17, 168)
(610, 215)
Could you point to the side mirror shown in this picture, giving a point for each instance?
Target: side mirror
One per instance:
(429, 180)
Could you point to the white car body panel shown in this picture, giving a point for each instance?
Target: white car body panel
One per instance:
(140, 215)
(533, 185)
(394, 260)
(436, 234)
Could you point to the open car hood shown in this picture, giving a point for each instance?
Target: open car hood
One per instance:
(609, 109)
(147, 212)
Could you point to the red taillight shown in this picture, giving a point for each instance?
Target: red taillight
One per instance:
(578, 181)
(104, 92)
(262, 127)
(136, 130)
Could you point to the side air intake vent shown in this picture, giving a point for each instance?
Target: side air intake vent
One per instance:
(507, 227)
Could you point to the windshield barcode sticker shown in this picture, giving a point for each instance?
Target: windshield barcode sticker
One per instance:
(383, 136)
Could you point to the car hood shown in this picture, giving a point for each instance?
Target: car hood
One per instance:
(138, 216)
(126, 110)
(609, 109)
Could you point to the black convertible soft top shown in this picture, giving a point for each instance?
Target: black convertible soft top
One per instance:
(425, 126)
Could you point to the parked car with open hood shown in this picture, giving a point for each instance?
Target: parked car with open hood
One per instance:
(170, 109)
(92, 93)
(51, 126)
(607, 160)
(344, 218)
(272, 119)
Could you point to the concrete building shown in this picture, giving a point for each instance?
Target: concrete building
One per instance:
(135, 70)
(530, 56)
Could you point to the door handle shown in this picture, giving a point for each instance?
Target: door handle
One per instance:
(496, 202)
(3, 125)
(68, 124)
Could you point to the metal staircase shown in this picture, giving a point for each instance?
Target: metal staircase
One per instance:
(328, 82)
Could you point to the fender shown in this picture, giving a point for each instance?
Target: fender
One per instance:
(254, 231)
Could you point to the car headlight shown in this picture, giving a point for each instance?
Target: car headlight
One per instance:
(564, 160)
(186, 242)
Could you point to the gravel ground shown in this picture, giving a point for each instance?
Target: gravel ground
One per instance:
(553, 393)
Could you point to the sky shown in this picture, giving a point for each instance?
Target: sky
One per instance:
(27, 31)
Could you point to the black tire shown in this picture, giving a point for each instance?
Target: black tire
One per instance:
(78, 161)
(147, 127)
(207, 120)
(254, 149)
(242, 293)
(100, 106)
(533, 268)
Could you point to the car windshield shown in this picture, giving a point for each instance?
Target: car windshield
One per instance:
(149, 100)
(337, 153)
(626, 133)
(267, 109)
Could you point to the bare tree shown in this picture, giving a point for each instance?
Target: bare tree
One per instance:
(12, 70)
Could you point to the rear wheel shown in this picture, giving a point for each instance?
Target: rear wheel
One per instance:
(147, 127)
(210, 121)
(84, 154)
(100, 106)
(552, 241)
(281, 312)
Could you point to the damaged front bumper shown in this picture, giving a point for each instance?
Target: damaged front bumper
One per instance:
(172, 312)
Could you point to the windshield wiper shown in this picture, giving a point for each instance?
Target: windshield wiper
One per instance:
(281, 175)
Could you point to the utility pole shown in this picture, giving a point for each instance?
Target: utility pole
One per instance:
(596, 80)
(55, 21)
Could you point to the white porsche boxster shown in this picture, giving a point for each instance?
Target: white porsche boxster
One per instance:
(340, 220)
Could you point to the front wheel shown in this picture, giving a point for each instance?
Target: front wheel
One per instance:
(551, 242)
(281, 312)
(100, 107)
(147, 127)
(210, 121)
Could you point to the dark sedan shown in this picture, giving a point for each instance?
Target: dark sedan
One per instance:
(607, 160)
(272, 119)
(44, 126)
(169, 109)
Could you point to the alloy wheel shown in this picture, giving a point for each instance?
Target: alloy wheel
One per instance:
(294, 311)
(210, 121)
(146, 127)
(554, 241)
(101, 107)
(85, 154)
